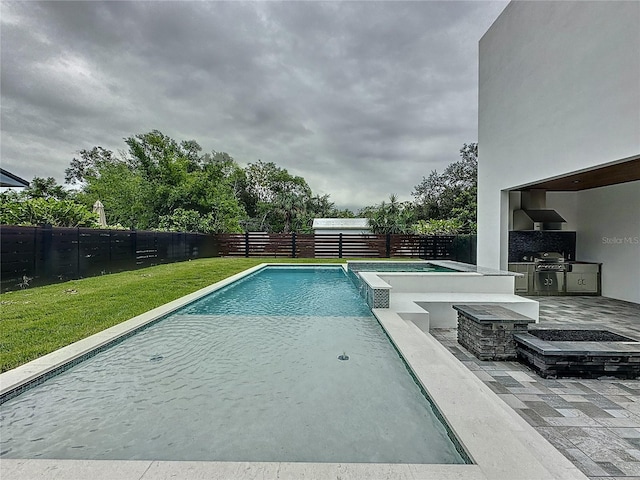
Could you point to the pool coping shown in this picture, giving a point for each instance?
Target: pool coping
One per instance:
(502, 445)
(458, 267)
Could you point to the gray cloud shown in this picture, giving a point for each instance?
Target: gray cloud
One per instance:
(360, 98)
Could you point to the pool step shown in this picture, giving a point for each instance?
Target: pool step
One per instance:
(418, 318)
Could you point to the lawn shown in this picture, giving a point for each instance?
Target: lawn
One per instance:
(40, 320)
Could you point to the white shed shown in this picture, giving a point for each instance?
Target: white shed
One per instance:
(341, 225)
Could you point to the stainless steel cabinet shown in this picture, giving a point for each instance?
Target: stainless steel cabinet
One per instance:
(524, 283)
(583, 278)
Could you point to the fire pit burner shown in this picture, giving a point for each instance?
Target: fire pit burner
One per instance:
(579, 336)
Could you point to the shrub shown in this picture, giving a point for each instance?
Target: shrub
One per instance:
(15, 210)
(437, 227)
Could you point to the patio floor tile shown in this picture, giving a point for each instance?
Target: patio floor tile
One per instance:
(594, 423)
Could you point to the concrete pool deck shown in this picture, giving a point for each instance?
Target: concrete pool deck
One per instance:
(501, 443)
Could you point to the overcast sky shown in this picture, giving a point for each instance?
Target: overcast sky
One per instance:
(362, 99)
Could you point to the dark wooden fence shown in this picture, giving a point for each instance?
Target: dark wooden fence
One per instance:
(33, 256)
(41, 255)
(461, 248)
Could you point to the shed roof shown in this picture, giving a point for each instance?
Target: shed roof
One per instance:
(341, 223)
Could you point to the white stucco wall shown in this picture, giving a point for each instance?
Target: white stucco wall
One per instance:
(566, 204)
(607, 225)
(559, 92)
(609, 232)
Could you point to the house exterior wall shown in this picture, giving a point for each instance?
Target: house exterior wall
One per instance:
(558, 93)
(353, 226)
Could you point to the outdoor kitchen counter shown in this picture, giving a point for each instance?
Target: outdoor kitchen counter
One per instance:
(580, 278)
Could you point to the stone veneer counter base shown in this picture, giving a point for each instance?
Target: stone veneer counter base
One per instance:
(487, 330)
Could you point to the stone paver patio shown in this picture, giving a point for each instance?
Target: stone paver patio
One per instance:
(594, 423)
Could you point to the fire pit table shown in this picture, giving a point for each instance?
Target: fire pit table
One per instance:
(579, 353)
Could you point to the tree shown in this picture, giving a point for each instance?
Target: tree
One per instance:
(124, 193)
(163, 183)
(87, 167)
(391, 217)
(157, 180)
(428, 196)
(452, 194)
(188, 221)
(46, 188)
(280, 198)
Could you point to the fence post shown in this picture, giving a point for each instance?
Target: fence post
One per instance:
(36, 264)
(473, 248)
(340, 246)
(293, 245)
(47, 250)
(455, 245)
(388, 246)
(470, 250)
(78, 252)
(246, 244)
(134, 247)
(110, 260)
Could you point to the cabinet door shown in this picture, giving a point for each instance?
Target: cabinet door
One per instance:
(582, 282)
(521, 283)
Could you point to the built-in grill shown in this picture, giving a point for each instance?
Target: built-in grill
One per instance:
(550, 273)
(549, 268)
(549, 262)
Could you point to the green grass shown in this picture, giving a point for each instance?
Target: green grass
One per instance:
(40, 320)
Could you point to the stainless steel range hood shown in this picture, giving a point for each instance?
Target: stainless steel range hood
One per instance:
(534, 214)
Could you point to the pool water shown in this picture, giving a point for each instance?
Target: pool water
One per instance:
(248, 373)
(286, 291)
(401, 266)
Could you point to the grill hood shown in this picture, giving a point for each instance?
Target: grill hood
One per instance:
(534, 215)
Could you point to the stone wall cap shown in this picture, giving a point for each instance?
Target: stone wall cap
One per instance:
(489, 313)
(556, 348)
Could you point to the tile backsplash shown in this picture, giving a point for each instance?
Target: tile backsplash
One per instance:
(525, 242)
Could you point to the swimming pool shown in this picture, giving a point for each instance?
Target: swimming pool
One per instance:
(247, 373)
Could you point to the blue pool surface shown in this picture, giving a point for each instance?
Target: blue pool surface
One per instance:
(286, 291)
(248, 373)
